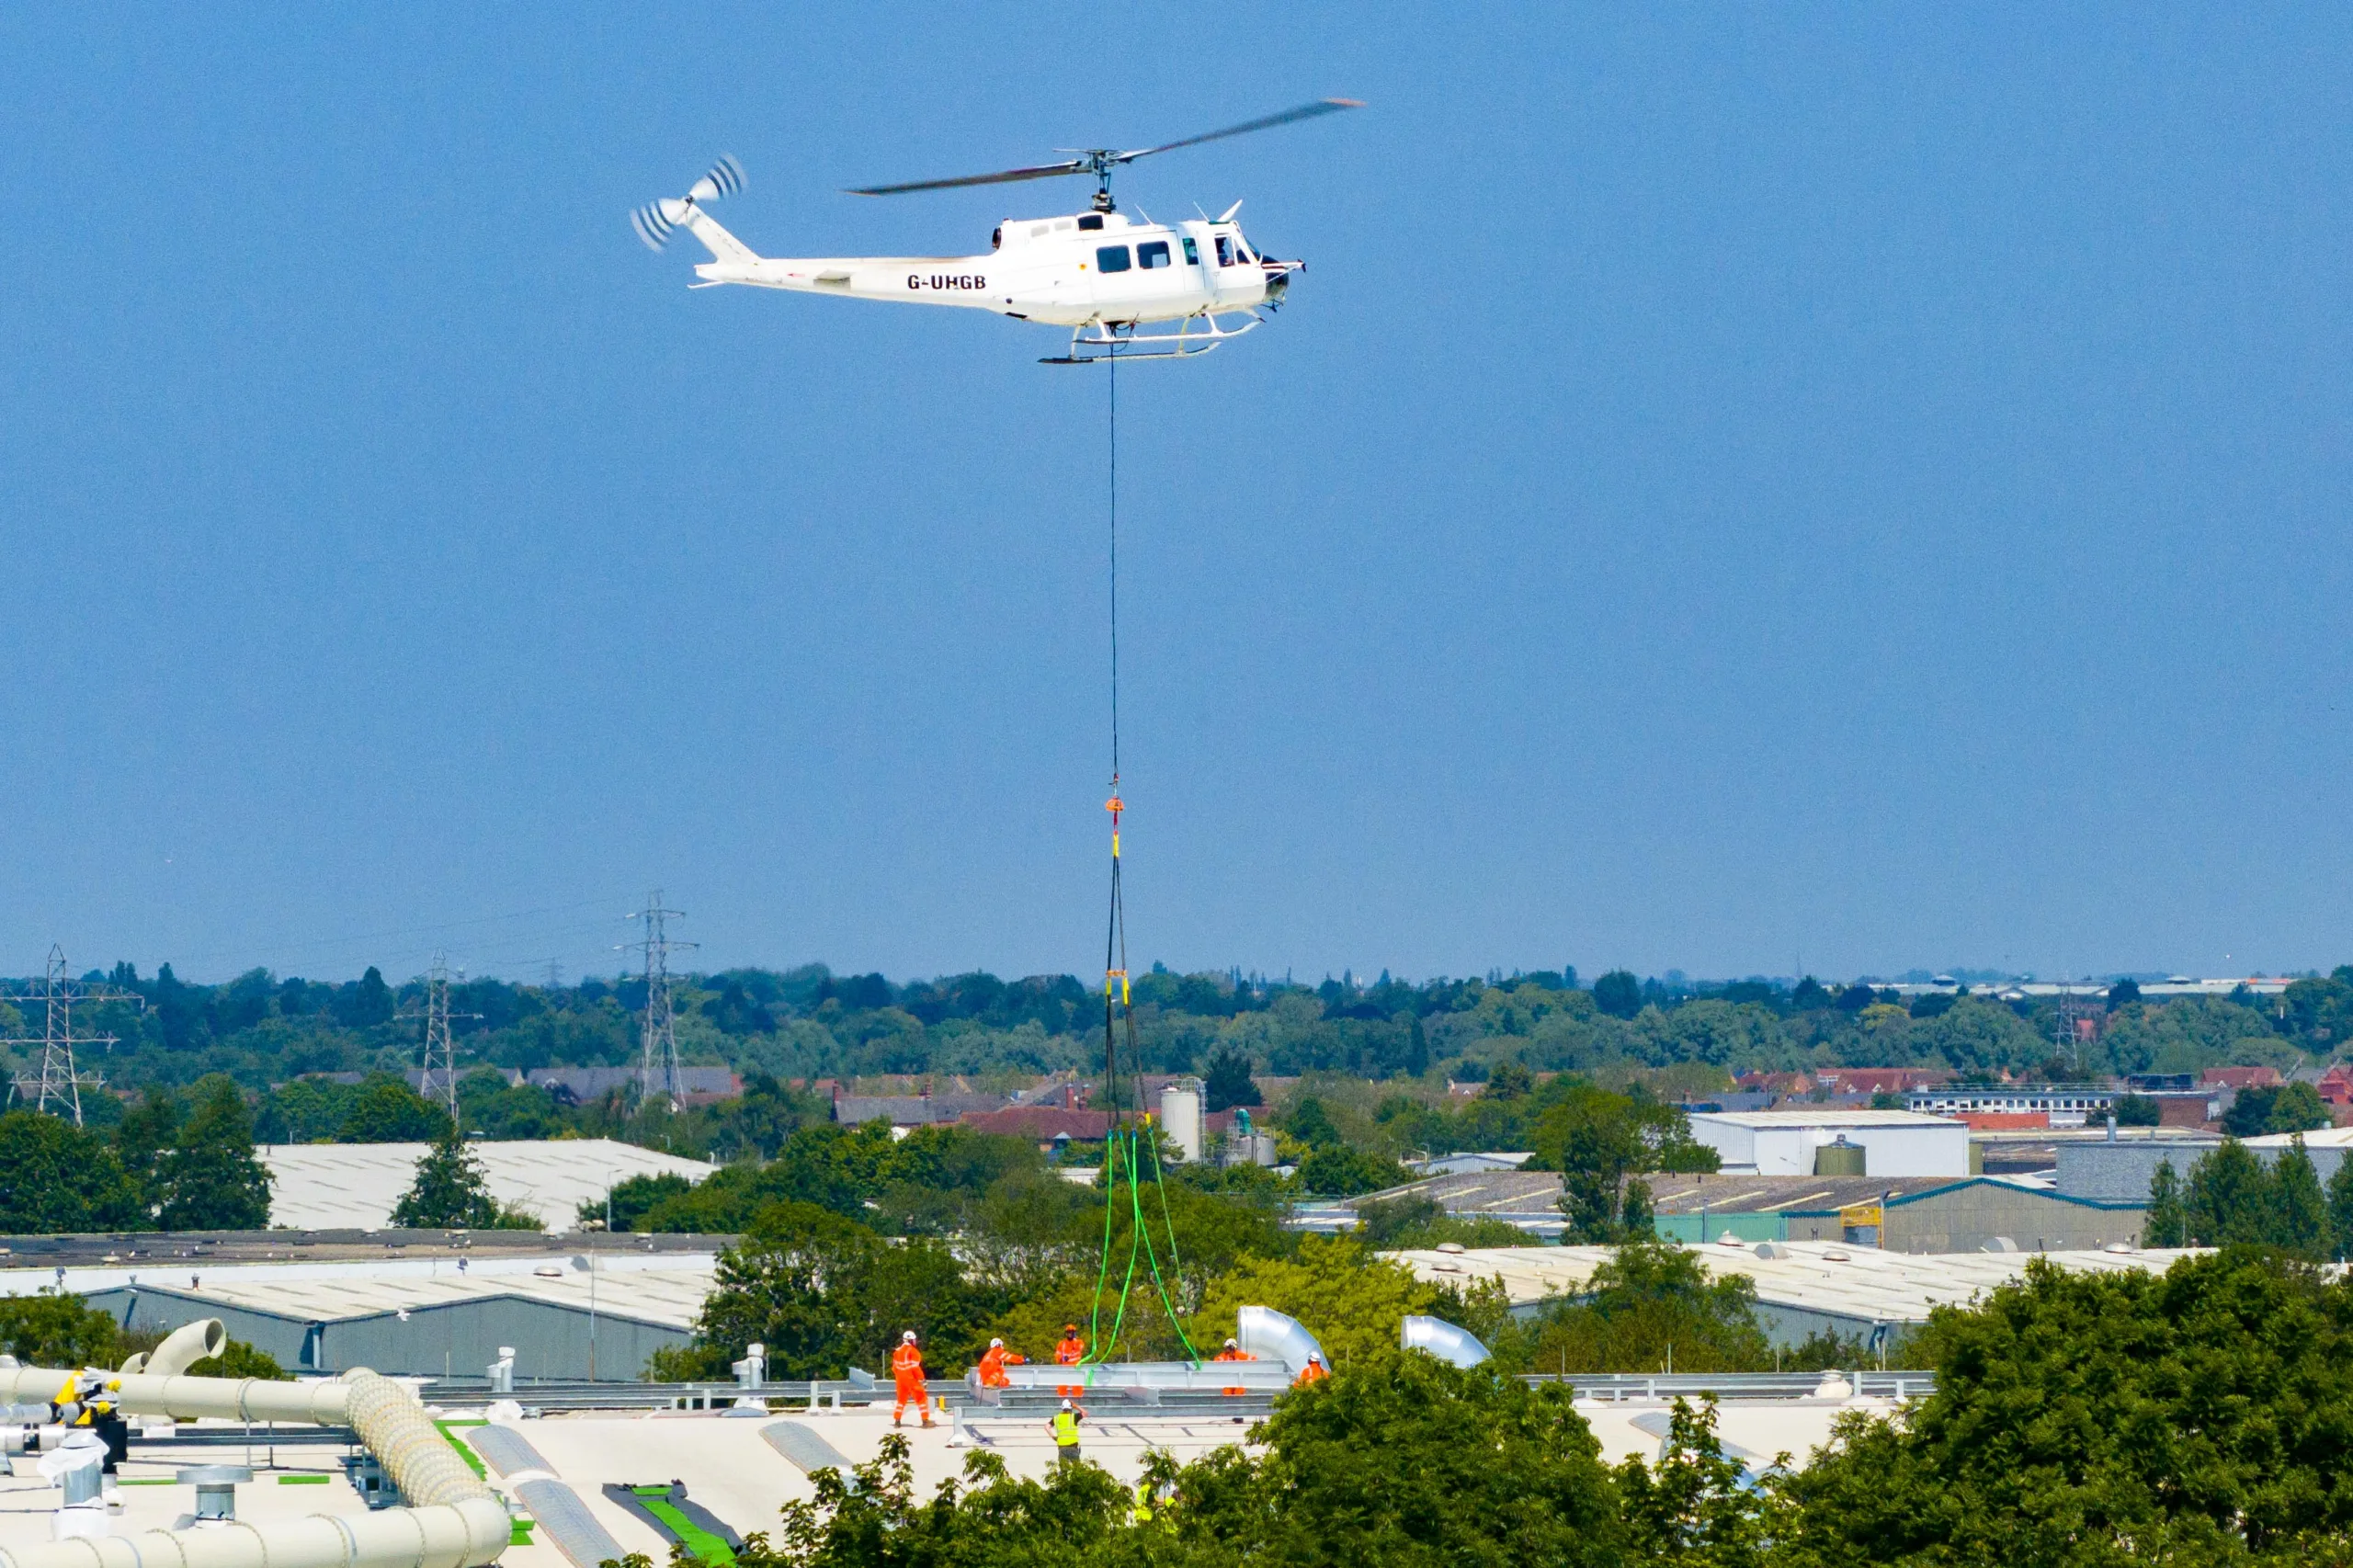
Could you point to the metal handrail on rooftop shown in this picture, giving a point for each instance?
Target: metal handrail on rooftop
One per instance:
(1627, 1386)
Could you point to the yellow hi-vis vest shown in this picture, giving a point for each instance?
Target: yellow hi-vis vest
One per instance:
(1141, 1512)
(1066, 1428)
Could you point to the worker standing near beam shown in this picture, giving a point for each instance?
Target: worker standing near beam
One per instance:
(1065, 1426)
(1070, 1353)
(906, 1372)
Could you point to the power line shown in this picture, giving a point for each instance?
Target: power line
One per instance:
(440, 1078)
(58, 1083)
(658, 1061)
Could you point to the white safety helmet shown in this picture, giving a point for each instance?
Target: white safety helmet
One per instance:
(1315, 1357)
(1066, 1404)
(997, 1343)
(909, 1336)
(1231, 1345)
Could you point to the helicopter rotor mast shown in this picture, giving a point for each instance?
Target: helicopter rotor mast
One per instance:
(1101, 161)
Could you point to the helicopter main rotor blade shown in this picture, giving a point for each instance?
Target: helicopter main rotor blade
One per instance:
(1004, 176)
(1266, 122)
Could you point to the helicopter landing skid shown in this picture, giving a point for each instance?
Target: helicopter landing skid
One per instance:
(1099, 341)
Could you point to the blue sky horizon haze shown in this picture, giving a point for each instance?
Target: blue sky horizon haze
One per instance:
(1735, 488)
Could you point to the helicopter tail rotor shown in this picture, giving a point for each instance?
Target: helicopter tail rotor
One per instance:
(656, 222)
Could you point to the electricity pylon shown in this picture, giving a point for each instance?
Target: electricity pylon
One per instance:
(57, 1087)
(659, 1065)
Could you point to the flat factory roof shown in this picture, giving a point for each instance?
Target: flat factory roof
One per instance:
(664, 1288)
(1847, 1280)
(1765, 1120)
(325, 1186)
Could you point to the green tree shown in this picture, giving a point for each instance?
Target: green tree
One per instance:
(1693, 1505)
(1619, 993)
(2138, 1111)
(1228, 1082)
(2113, 1417)
(1310, 1123)
(873, 1517)
(2168, 1221)
(450, 1191)
(46, 1329)
(2340, 1211)
(1350, 1301)
(1597, 1141)
(386, 1110)
(144, 1135)
(2230, 1198)
(633, 1199)
(1404, 1462)
(2298, 1208)
(211, 1180)
(824, 1293)
(1654, 1301)
(1336, 1170)
(56, 1176)
(2281, 1107)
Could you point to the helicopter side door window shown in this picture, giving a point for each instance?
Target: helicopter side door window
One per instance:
(1152, 253)
(1192, 252)
(1091, 221)
(1224, 250)
(1111, 258)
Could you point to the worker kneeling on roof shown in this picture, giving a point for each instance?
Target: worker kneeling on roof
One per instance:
(906, 1371)
(995, 1361)
(1314, 1372)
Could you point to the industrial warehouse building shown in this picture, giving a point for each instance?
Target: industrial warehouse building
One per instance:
(1843, 1140)
(430, 1317)
(1906, 1214)
(334, 1186)
(1909, 1214)
(2120, 1166)
(1802, 1288)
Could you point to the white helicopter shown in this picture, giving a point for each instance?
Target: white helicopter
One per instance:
(1097, 272)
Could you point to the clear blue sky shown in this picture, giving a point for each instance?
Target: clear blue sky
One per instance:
(1861, 485)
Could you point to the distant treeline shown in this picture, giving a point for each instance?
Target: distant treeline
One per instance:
(262, 1029)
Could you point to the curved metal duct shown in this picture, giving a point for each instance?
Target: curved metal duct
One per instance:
(1271, 1336)
(1441, 1339)
(183, 1348)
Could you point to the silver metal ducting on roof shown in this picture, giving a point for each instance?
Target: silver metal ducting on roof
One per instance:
(1271, 1336)
(1441, 1339)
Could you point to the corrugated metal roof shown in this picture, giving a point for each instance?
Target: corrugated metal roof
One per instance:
(666, 1289)
(1849, 1281)
(1773, 1195)
(325, 1186)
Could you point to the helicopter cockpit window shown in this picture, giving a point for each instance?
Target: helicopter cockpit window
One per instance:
(1111, 258)
(1192, 252)
(1091, 221)
(1152, 253)
(1224, 250)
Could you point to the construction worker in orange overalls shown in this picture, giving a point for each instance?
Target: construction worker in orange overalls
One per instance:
(993, 1365)
(1314, 1372)
(1234, 1352)
(1070, 1353)
(906, 1371)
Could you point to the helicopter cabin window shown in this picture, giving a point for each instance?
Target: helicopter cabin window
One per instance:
(1111, 258)
(1039, 231)
(1224, 250)
(1091, 221)
(1192, 252)
(1152, 254)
